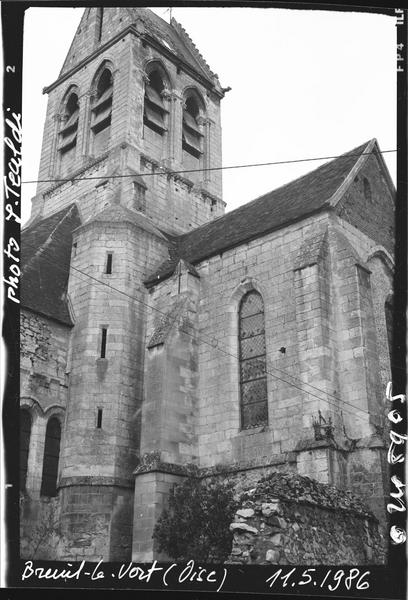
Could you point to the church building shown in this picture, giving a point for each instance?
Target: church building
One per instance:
(157, 330)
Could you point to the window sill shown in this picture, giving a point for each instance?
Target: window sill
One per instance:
(254, 430)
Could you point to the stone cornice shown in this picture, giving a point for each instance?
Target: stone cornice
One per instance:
(91, 480)
(146, 38)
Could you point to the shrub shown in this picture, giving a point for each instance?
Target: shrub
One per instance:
(196, 523)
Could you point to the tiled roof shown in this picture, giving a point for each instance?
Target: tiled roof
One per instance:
(45, 259)
(296, 200)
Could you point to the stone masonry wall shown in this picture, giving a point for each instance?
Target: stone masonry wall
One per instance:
(288, 519)
(44, 390)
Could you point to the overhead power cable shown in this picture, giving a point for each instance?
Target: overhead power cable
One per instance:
(183, 171)
(215, 344)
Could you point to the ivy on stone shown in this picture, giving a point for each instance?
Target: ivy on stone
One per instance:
(196, 523)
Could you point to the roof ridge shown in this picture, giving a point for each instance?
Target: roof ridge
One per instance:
(281, 187)
(68, 54)
(339, 193)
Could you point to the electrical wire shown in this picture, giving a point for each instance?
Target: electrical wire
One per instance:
(215, 344)
(167, 172)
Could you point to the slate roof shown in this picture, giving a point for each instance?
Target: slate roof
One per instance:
(45, 259)
(296, 200)
(116, 213)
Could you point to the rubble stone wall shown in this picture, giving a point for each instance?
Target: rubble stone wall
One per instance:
(289, 519)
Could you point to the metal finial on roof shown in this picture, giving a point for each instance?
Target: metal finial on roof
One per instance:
(170, 11)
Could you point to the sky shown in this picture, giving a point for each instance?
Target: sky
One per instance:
(304, 84)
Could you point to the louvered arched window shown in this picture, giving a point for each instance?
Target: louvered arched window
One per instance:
(68, 134)
(252, 361)
(192, 136)
(154, 111)
(25, 434)
(102, 112)
(51, 458)
(69, 128)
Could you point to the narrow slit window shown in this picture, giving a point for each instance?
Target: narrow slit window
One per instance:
(103, 342)
(367, 190)
(99, 419)
(100, 23)
(109, 259)
(252, 361)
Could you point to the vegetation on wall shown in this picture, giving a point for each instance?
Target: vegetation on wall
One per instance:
(196, 523)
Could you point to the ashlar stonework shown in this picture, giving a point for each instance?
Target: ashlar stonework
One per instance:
(137, 336)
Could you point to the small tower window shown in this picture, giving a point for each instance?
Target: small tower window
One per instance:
(154, 110)
(99, 419)
(192, 135)
(252, 361)
(51, 458)
(367, 189)
(102, 112)
(109, 258)
(25, 434)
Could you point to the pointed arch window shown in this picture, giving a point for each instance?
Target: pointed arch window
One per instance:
(51, 458)
(154, 111)
(192, 136)
(69, 130)
(102, 105)
(252, 361)
(25, 435)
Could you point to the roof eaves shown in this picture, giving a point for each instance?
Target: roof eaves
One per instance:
(154, 280)
(67, 322)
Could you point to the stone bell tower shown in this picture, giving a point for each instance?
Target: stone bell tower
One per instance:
(131, 134)
(136, 98)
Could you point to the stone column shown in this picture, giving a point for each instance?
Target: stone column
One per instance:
(55, 162)
(36, 455)
(177, 103)
(84, 125)
(205, 126)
